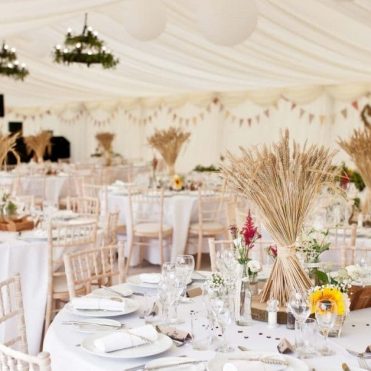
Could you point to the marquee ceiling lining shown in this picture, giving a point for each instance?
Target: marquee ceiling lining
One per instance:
(296, 44)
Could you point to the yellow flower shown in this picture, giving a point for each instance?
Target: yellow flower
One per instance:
(328, 293)
(177, 182)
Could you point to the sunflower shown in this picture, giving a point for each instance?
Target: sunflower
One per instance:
(177, 183)
(327, 293)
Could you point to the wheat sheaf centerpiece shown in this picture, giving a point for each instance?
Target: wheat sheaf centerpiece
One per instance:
(39, 144)
(283, 182)
(105, 140)
(169, 143)
(358, 147)
(7, 145)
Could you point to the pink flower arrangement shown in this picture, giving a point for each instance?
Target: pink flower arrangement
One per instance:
(244, 239)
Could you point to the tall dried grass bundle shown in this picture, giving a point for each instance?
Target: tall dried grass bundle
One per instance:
(358, 147)
(39, 144)
(283, 183)
(7, 145)
(169, 143)
(105, 140)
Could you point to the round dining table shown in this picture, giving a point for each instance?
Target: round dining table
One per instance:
(65, 343)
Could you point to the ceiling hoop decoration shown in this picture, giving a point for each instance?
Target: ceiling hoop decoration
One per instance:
(144, 20)
(227, 22)
(85, 48)
(9, 64)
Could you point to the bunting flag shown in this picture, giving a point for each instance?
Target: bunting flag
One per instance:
(344, 113)
(355, 105)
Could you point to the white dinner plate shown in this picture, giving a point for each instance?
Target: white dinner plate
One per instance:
(94, 325)
(217, 363)
(162, 344)
(176, 361)
(131, 306)
(136, 281)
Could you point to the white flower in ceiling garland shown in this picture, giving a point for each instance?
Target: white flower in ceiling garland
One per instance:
(9, 64)
(226, 22)
(144, 19)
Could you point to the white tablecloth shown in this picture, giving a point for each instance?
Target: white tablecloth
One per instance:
(63, 342)
(30, 260)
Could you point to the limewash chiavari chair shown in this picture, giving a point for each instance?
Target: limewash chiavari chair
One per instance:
(86, 206)
(64, 237)
(147, 222)
(212, 220)
(89, 267)
(110, 228)
(14, 352)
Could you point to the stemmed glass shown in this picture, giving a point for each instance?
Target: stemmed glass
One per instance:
(219, 306)
(299, 307)
(170, 289)
(185, 265)
(326, 312)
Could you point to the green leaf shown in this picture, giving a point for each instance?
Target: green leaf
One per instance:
(322, 277)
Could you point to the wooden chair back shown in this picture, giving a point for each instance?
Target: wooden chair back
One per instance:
(86, 206)
(89, 267)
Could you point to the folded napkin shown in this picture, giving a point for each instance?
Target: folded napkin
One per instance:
(88, 302)
(150, 277)
(126, 339)
(174, 333)
(241, 365)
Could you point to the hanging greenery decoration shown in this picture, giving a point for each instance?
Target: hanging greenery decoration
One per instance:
(9, 64)
(85, 48)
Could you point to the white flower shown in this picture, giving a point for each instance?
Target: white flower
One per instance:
(254, 266)
(354, 271)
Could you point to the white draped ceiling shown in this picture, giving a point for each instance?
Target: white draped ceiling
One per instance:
(299, 49)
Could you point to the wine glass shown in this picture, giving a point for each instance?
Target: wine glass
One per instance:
(185, 265)
(326, 312)
(219, 306)
(299, 307)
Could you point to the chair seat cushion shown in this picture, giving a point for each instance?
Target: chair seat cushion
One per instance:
(60, 284)
(208, 228)
(151, 229)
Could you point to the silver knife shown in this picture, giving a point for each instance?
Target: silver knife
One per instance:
(173, 365)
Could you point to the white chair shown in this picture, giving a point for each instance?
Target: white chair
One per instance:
(64, 237)
(211, 222)
(110, 228)
(13, 353)
(147, 222)
(94, 267)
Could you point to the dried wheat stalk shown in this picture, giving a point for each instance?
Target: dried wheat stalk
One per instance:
(39, 144)
(7, 145)
(169, 143)
(283, 183)
(358, 147)
(105, 139)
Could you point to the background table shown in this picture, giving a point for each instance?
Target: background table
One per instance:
(63, 342)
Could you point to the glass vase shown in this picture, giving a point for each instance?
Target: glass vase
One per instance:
(243, 298)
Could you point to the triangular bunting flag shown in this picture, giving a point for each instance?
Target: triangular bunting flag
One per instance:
(301, 112)
(355, 105)
(266, 112)
(257, 118)
(241, 122)
(249, 121)
(344, 112)
(293, 105)
(322, 119)
(311, 117)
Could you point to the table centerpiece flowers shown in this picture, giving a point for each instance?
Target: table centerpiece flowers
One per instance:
(177, 183)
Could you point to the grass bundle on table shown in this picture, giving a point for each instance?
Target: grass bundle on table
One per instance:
(283, 182)
(7, 145)
(358, 147)
(169, 143)
(105, 140)
(39, 144)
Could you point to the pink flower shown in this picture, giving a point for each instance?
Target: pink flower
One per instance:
(272, 251)
(234, 231)
(250, 232)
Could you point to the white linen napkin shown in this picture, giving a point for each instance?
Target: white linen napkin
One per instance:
(88, 302)
(126, 339)
(150, 277)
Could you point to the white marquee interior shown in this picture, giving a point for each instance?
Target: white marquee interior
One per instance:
(306, 67)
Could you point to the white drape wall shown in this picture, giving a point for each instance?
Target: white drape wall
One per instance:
(212, 135)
